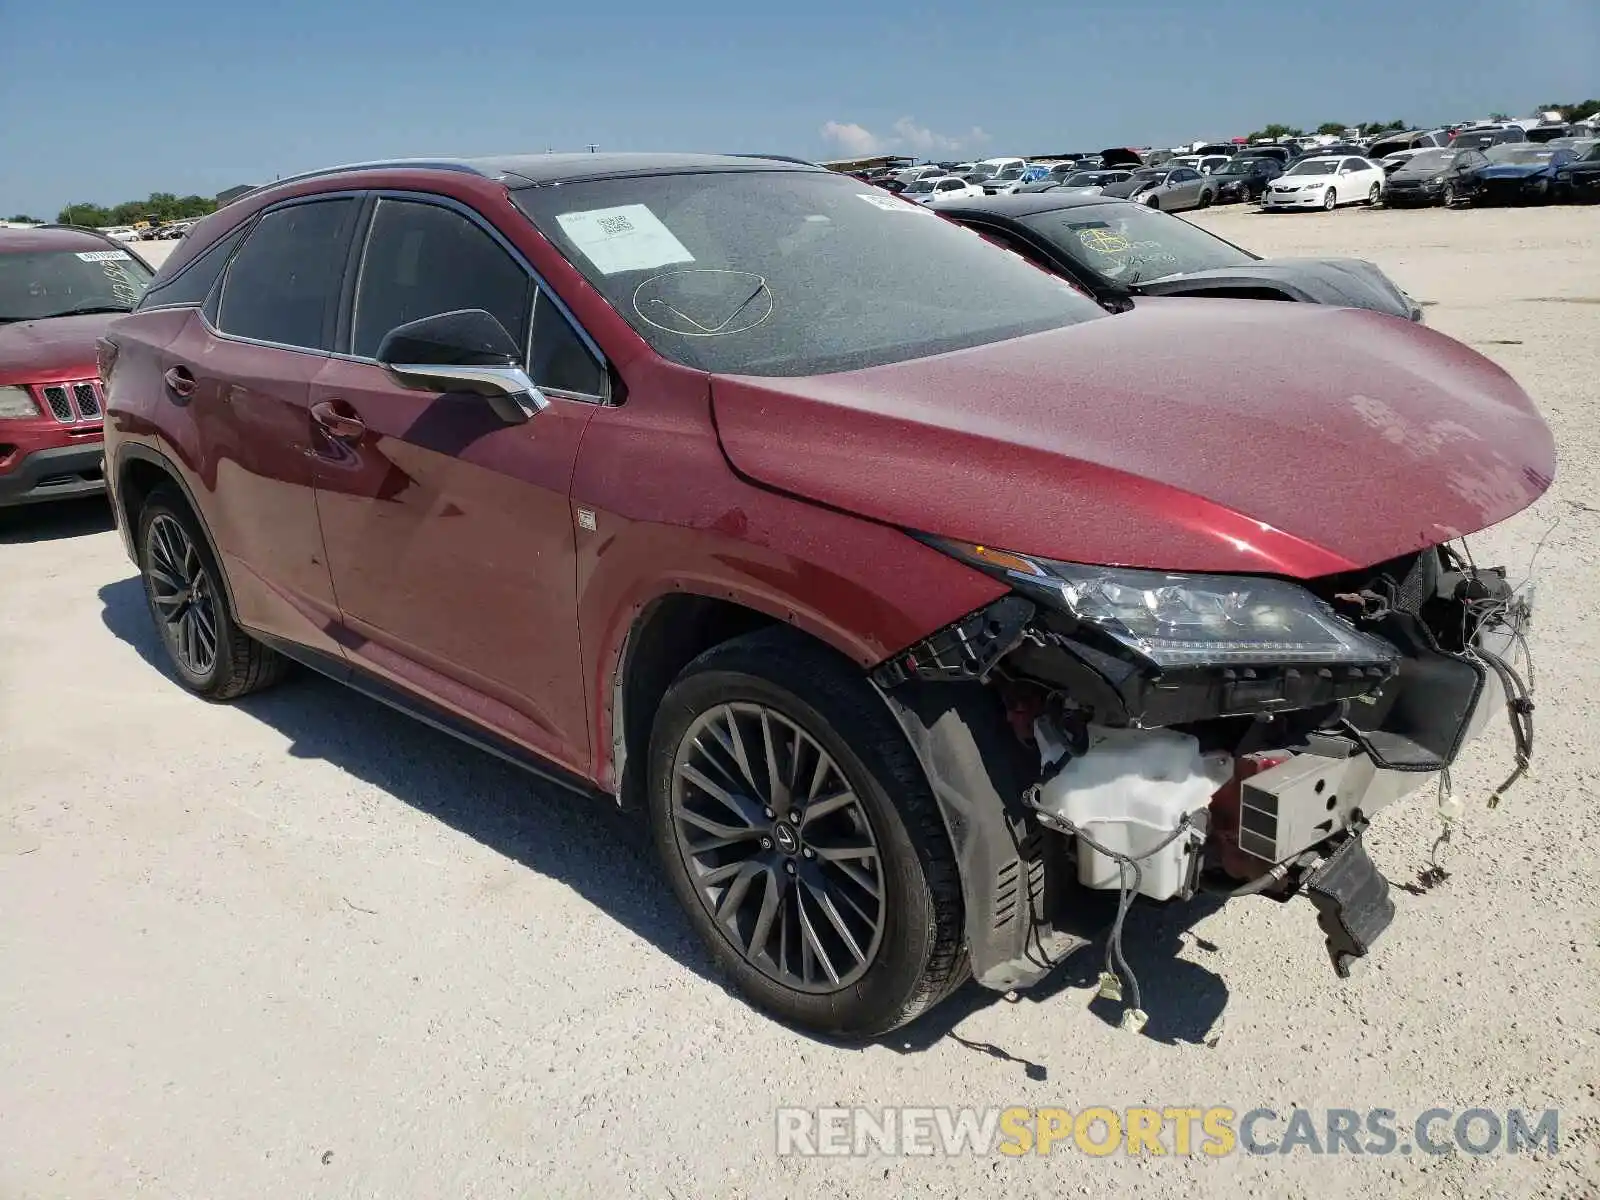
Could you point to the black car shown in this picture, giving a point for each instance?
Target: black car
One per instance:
(1433, 177)
(1578, 182)
(1116, 250)
(1282, 154)
(1245, 178)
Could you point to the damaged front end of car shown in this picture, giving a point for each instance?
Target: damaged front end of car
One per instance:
(1158, 734)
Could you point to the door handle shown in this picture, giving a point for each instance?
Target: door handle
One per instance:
(180, 381)
(334, 423)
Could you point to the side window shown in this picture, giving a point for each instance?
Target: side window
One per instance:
(423, 259)
(283, 284)
(560, 360)
(193, 284)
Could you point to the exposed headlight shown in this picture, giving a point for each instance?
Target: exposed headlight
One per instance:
(1181, 620)
(16, 402)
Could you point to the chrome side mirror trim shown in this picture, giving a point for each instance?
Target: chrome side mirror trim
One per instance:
(512, 394)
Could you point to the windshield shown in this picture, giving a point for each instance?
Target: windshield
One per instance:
(984, 169)
(1149, 173)
(1429, 160)
(1010, 173)
(921, 185)
(55, 283)
(1243, 166)
(1127, 243)
(1089, 178)
(1519, 154)
(792, 272)
(1320, 166)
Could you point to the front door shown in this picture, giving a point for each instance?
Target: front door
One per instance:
(449, 533)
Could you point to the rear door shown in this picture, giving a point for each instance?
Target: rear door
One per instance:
(449, 533)
(242, 367)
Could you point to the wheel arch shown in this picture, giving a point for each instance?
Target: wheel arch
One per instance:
(139, 470)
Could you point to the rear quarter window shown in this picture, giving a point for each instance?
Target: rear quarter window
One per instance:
(194, 280)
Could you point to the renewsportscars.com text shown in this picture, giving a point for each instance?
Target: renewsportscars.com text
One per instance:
(1212, 1132)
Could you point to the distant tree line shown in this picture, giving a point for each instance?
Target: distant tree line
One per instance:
(160, 207)
(1278, 133)
(1580, 111)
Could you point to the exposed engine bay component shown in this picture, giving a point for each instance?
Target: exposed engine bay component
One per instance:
(1130, 792)
(1173, 732)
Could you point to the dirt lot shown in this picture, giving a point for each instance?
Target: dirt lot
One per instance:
(301, 946)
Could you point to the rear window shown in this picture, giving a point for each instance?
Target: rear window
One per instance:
(36, 284)
(792, 272)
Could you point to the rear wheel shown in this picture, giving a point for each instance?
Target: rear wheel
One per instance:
(798, 831)
(1330, 201)
(183, 587)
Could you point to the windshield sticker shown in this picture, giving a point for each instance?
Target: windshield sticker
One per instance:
(704, 303)
(105, 255)
(891, 204)
(627, 238)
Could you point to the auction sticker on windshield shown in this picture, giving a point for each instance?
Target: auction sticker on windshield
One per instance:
(627, 238)
(890, 204)
(104, 255)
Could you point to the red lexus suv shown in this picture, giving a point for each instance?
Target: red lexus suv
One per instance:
(913, 596)
(59, 288)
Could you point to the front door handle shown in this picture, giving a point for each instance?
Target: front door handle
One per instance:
(344, 425)
(180, 381)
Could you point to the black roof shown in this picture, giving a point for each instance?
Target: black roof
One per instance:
(1026, 204)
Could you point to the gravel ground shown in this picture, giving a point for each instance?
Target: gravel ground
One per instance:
(301, 946)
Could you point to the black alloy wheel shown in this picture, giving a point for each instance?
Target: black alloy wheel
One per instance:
(182, 596)
(779, 846)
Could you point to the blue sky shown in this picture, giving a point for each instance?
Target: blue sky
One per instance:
(106, 102)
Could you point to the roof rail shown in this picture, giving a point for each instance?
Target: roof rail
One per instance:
(104, 237)
(429, 164)
(788, 158)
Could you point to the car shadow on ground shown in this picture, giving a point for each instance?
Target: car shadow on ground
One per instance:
(55, 521)
(604, 853)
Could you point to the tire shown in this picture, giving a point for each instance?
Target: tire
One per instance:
(1330, 201)
(1448, 198)
(188, 601)
(1374, 194)
(1153, 202)
(778, 688)
(1206, 199)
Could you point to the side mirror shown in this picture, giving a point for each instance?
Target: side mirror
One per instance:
(467, 350)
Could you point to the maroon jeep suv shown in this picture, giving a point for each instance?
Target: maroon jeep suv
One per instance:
(59, 288)
(914, 597)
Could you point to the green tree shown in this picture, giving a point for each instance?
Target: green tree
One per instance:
(158, 208)
(1577, 111)
(1372, 128)
(1335, 128)
(1275, 133)
(25, 219)
(84, 214)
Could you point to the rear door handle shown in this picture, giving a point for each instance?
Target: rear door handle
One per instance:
(344, 425)
(180, 381)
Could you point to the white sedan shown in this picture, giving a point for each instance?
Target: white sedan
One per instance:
(946, 187)
(1326, 183)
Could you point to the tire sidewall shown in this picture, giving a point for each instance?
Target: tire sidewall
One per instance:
(1331, 202)
(909, 930)
(158, 506)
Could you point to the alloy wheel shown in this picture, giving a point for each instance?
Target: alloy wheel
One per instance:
(1331, 200)
(182, 595)
(779, 847)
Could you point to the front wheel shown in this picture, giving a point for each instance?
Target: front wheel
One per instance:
(1153, 202)
(1448, 198)
(1374, 195)
(799, 833)
(1206, 199)
(1330, 201)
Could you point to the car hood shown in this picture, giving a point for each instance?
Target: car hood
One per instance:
(1143, 440)
(55, 348)
(1512, 170)
(1128, 187)
(1350, 282)
(1410, 174)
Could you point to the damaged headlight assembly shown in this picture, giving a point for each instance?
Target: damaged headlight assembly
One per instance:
(1151, 648)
